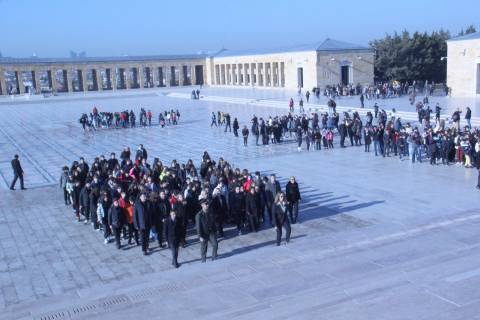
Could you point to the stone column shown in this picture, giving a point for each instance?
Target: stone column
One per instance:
(85, 80)
(3, 83)
(128, 85)
(245, 74)
(168, 76)
(238, 73)
(69, 83)
(112, 78)
(140, 77)
(52, 80)
(233, 68)
(99, 79)
(19, 81)
(193, 76)
(35, 80)
(181, 76)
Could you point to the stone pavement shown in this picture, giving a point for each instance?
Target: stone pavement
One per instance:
(378, 238)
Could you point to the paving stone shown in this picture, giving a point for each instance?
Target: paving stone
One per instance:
(364, 236)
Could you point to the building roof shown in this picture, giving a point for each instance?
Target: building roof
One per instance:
(328, 45)
(80, 60)
(471, 36)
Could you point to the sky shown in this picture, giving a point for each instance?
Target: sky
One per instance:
(51, 28)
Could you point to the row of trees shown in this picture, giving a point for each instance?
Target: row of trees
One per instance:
(417, 56)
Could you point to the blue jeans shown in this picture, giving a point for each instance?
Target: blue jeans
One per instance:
(376, 147)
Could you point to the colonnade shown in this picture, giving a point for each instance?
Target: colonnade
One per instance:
(263, 74)
(83, 77)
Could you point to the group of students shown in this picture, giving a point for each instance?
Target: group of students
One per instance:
(429, 140)
(125, 119)
(142, 201)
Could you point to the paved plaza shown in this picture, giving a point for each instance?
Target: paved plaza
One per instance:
(377, 239)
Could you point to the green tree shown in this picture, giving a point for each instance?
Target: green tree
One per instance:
(408, 57)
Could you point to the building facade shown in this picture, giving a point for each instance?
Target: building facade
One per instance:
(330, 62)
(463, 65)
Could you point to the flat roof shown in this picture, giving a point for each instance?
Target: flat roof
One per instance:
(471, 36)
(328, 45)
(79, 60)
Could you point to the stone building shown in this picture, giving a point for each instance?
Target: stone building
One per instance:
(463, 65)
(330, 62)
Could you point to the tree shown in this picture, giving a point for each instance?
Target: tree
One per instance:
(408, 57)
(470, 29)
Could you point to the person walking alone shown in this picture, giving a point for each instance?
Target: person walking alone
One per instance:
(293, 197)
(281, 218)
(245, 133)
(206, 230)
(17, 173)
(173, 233)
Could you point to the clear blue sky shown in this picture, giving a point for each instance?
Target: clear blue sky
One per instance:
(51, 28)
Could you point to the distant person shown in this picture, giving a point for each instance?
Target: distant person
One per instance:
(17, 173)
(245, 133)
(468, 117)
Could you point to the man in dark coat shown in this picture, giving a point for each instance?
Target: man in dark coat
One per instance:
(17, 173)
(85, 202)
(142, 221)
(115, 221)
(219, 208)
(141, 153)
(237, 207)
(164, 208)
(174, 234)
(206, 230)
(272, 187)
(293, 197)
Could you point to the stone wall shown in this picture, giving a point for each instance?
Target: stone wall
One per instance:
(463, 57)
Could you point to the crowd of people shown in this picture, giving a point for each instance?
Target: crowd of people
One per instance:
(126, 119)
(428, 140)
(381, 89)
(139, 201)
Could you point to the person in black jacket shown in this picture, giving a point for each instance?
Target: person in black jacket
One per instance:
(293, 197)
(235, 127)
(181, 215)
(245, 133)
(142, 221)
(237, 207)
(115, 221)
(93, 200)
(17, 173)
(85, 202)
(280, 209)
(272, 188)
(252, 209)
(174, 234)
(206, 230)
(219, 208)
(76, 199)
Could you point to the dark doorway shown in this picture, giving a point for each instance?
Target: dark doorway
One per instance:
(345, 75)
(199, 75)
(300, 77)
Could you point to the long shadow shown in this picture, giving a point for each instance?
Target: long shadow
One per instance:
(317, 205)
(243, 249)
(328, 210)
(255, 246)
